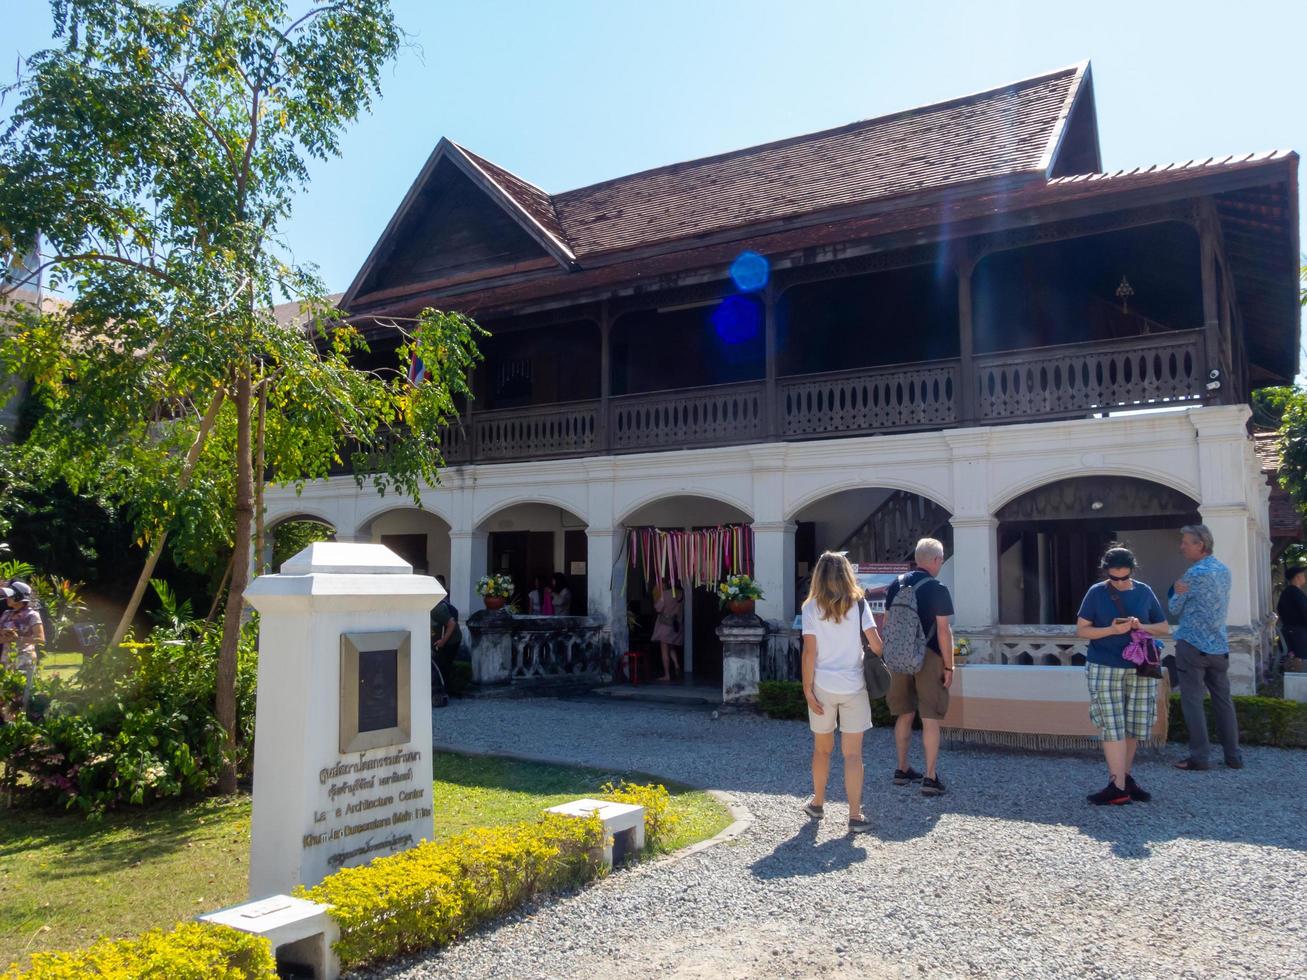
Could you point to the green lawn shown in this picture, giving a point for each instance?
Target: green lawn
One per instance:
(65, 881)
(478, 792)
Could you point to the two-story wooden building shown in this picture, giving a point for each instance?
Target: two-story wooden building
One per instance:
(943, 321)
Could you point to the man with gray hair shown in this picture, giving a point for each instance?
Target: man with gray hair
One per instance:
(1201, 599)
(926, 691)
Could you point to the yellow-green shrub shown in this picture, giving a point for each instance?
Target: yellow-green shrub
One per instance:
(192, 951)
(437, 891)
(659, 820)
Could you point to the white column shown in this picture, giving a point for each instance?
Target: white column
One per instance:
(1223, 465)
(468, 557)
(773, 535)
(773, 569)
(975, 572)
(1233, 546)
(601, 546)
(975, 530)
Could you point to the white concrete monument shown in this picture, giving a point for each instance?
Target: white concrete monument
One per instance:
(342, 739)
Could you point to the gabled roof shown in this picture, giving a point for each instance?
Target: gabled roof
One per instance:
(522, 202)
(1013, 131)
(1009, 130)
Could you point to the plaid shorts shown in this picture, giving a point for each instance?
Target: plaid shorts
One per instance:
(1121, 703)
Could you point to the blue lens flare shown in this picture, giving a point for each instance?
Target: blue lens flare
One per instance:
(737, 320)
(750, 272)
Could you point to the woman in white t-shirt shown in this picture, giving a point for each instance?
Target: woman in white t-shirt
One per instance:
(835, 616)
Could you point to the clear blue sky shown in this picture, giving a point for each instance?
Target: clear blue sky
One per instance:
(569, 92)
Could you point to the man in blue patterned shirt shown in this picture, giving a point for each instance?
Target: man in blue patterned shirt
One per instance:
(1202, 648)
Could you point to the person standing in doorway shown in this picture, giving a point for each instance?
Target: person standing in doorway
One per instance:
(926, 691)
(835, 620)
(562, 595)
(1201, 600)
(540, 600)
(668, 631)
(1122, 701)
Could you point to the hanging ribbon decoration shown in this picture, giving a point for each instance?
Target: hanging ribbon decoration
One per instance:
(691, 558)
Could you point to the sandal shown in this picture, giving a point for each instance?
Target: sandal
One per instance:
(1188, 765)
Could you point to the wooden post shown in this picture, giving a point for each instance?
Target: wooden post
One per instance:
(773, 408)
(605, 373)
(967, 409)
(467, 419)
(1211, 315)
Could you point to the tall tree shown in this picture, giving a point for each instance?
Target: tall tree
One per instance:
(158, 151)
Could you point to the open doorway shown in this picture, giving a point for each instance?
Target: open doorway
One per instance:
(702, 520)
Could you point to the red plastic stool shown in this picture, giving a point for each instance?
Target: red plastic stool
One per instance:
(631, 661)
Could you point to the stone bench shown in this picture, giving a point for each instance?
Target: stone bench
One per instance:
(1029, 707)
(623, 826)
(1295, 686)
(301, 932)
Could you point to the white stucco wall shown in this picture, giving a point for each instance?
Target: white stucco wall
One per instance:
(1203, 452)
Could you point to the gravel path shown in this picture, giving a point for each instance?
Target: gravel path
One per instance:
(1010, 874)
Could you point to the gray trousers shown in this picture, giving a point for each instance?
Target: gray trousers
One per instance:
(1201, 674)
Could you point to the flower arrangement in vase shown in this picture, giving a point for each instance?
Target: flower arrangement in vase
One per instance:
(738, 594)
(495, 590)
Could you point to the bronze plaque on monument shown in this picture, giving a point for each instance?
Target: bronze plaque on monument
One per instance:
(375, 689)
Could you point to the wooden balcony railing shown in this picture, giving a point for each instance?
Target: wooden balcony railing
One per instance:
(536, 433)
(1073, 379)
(1067, 381)
(719, 416)
(891, 399)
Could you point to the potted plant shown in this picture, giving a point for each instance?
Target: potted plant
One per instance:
(738, 593)
(495, 590)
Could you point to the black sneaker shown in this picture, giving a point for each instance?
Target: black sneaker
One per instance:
(859, 825)
(1137, 792)
(1109, 795)
(904, 776)
(931, 787)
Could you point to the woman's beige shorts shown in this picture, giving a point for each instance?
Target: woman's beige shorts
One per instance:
(852, 712)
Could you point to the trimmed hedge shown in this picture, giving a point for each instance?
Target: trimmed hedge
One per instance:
(1262, 721)
(422, 897)
(659, 820)
(784, 699)
(192, 951)
(431, 894)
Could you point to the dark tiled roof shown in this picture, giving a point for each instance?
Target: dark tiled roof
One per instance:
(1164, 173)
(1285, 518)
(530, 198)
(1267, 444)
(1005, 131)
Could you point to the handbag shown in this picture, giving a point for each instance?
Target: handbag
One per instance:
(874, 672)
(1142, 648)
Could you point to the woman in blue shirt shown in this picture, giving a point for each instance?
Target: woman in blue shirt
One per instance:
(1122, 703)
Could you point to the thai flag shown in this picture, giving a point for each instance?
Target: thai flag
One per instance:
(417, 371)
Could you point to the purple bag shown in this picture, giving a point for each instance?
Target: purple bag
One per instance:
(1138, 649)
(1141, 649)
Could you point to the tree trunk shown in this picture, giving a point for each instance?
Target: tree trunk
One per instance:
(222, 586)
(259, 465)
(225, 700)
(183, 481)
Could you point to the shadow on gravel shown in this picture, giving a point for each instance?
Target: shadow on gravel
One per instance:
(801, 856)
